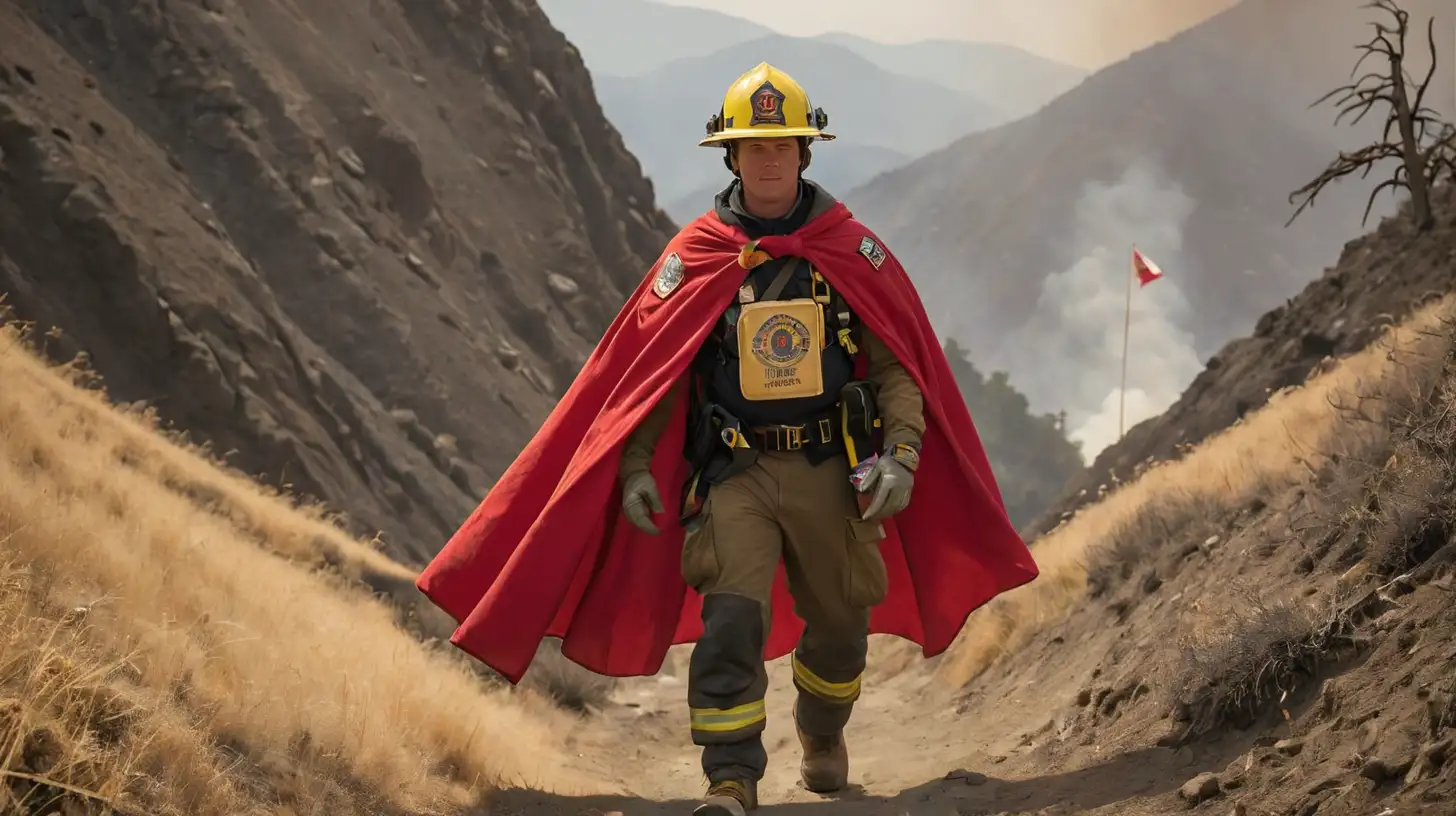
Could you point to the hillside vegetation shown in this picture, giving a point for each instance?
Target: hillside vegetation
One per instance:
(175, 640)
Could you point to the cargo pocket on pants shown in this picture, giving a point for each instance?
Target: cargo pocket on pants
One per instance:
(700, 554)
(867, 582)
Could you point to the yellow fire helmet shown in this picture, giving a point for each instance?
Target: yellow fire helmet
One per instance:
(765, 103)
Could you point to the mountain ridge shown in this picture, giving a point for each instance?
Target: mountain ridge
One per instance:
(973, 67)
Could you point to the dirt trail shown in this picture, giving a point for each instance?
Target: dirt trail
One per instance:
(913, 751)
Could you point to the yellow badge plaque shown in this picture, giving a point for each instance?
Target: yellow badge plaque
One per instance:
(780, 349)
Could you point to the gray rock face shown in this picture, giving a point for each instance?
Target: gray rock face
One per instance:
(325, 243)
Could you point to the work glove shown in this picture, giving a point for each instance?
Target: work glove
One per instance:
(891, 483)
(639, 493)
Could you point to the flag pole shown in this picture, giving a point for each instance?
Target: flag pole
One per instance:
(1126, 330)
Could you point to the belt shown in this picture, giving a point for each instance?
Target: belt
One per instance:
(820, 431)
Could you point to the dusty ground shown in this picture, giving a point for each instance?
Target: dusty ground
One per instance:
(912, 753)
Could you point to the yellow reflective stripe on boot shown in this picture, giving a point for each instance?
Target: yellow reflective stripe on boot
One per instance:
(823, 689)
(720, 720)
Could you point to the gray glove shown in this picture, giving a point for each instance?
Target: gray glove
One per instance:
(891, 482)
(639, 493)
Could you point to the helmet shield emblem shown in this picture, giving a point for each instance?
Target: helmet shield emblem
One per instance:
(768, 106)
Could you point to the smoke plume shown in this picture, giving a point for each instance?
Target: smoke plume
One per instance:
(1068, 355)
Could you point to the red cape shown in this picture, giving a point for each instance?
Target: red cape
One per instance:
(549, 552)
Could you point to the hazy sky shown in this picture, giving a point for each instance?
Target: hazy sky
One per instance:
(1089, 33)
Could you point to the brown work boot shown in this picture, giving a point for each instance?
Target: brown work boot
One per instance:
(825, 767)
(729, 797)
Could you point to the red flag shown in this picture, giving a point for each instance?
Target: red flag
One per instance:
(1146, 270)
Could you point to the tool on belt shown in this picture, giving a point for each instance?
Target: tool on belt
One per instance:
(860, 417)
(716, 449)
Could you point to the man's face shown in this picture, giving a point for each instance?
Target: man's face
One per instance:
(769, 167)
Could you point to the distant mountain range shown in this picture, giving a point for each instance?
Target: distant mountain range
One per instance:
(658, 84)
(1016, 82)
(1019, 235)
(634, 37)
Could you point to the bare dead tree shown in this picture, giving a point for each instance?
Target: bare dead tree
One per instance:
(1414, 133)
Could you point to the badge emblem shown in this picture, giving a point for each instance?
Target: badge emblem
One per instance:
(768, 106)
(872, 251)
(669, 275)
(782, 341)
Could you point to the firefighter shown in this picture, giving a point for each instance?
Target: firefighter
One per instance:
(791, 374)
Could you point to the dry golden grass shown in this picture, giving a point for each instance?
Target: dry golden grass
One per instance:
(162, 648)
(1338, 412)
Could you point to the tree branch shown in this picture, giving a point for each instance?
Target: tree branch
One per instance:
(1430, 71)
(1441, 157)
(1361, 161)
(1408, 123)
(1395, 182)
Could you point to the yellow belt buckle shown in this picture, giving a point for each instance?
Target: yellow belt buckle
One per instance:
(826, 431)
(796, 436)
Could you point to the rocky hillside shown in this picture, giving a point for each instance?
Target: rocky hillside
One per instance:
(363, 251)
(1189, 148)
(1265, 627)
(1381, 278)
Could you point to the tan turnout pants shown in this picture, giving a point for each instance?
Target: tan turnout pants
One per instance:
(782, 507)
